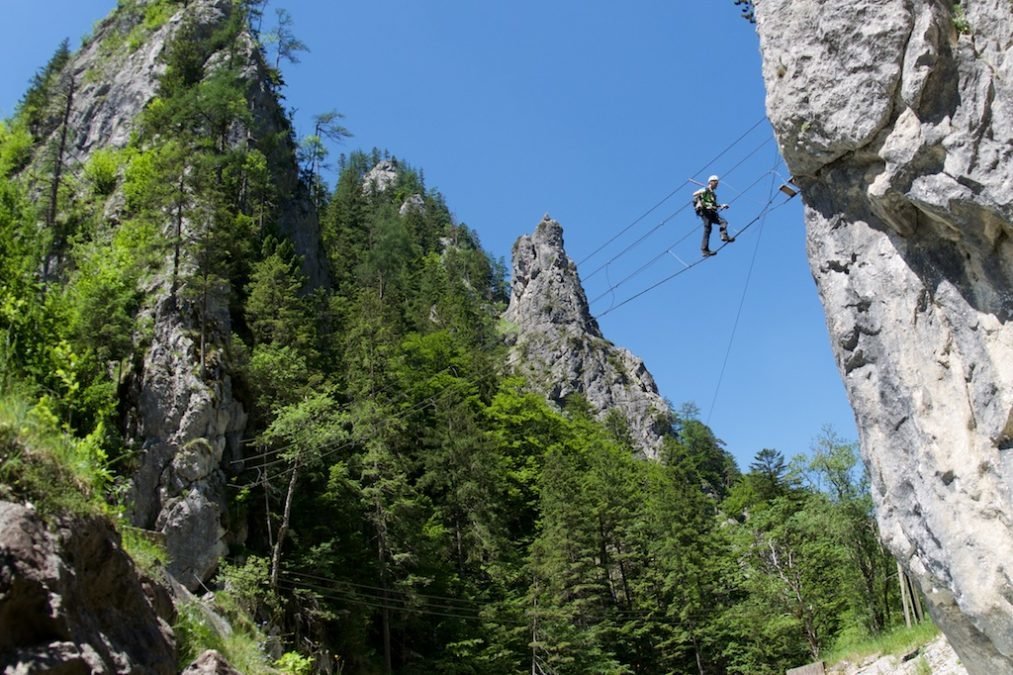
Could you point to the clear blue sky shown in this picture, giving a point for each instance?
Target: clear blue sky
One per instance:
(592, 114)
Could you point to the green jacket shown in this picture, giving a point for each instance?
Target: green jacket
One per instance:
(705, 198)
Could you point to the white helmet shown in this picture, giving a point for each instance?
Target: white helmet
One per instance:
(712, 178)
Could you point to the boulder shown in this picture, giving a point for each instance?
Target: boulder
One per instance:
(210, 663)
(71, 600)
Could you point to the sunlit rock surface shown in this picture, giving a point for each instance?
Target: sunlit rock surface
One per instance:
(557, 344)
(896, 117)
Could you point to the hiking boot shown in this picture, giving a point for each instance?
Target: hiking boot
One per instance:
(726, 238)
(707, 252)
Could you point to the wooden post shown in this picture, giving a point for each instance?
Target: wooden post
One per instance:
(905, 601)
(919, 614)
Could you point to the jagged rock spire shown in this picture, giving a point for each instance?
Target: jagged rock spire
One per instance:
(559, 347)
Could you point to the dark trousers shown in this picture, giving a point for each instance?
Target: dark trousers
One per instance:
(709, 219)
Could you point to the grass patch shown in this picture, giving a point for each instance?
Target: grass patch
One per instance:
(504, 327)
(194, 633)
(228, 624)
(897, 641)
(241, 643)
(41, 464)
(148, 554)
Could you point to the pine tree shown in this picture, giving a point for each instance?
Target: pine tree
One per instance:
(313, 151)
(286, 44)
(36, 106)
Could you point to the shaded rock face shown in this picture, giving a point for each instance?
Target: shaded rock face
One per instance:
(896, 117)
(71, 601)
(191, 429)
(558, 346)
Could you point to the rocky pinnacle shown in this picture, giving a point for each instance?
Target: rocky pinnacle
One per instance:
(558, 346)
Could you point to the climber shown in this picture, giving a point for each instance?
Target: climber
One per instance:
(705, 201)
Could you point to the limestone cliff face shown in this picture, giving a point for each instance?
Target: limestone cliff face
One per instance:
(182, 412)
(896, 117)
(557, 343)
(114, 82)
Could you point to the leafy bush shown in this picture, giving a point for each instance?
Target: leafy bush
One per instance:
(15, 147)
(247, 587)
(41, 464)
(293, 663)
(102, 171)
(960, 21)
(157, 13)
(141, 179)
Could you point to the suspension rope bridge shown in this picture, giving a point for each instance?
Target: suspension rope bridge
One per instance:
(272, 457)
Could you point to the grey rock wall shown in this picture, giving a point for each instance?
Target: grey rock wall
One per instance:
(558, 346)
(896, 117)
(190, 428)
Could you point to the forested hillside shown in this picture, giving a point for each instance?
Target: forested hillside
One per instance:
(385, 494)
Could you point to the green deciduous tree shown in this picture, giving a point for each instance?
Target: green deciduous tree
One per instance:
(834, 469)
(789, 570)
(302, 433)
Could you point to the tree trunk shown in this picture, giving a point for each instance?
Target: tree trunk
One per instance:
(904, 600)
(204, 330)
(698, 655)
(54, 189)
(267, 507)
(283, 528)
(178, 243)
(535, 670)
(604, 555)
(387, 660)
(919, 615)
(625, 579)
